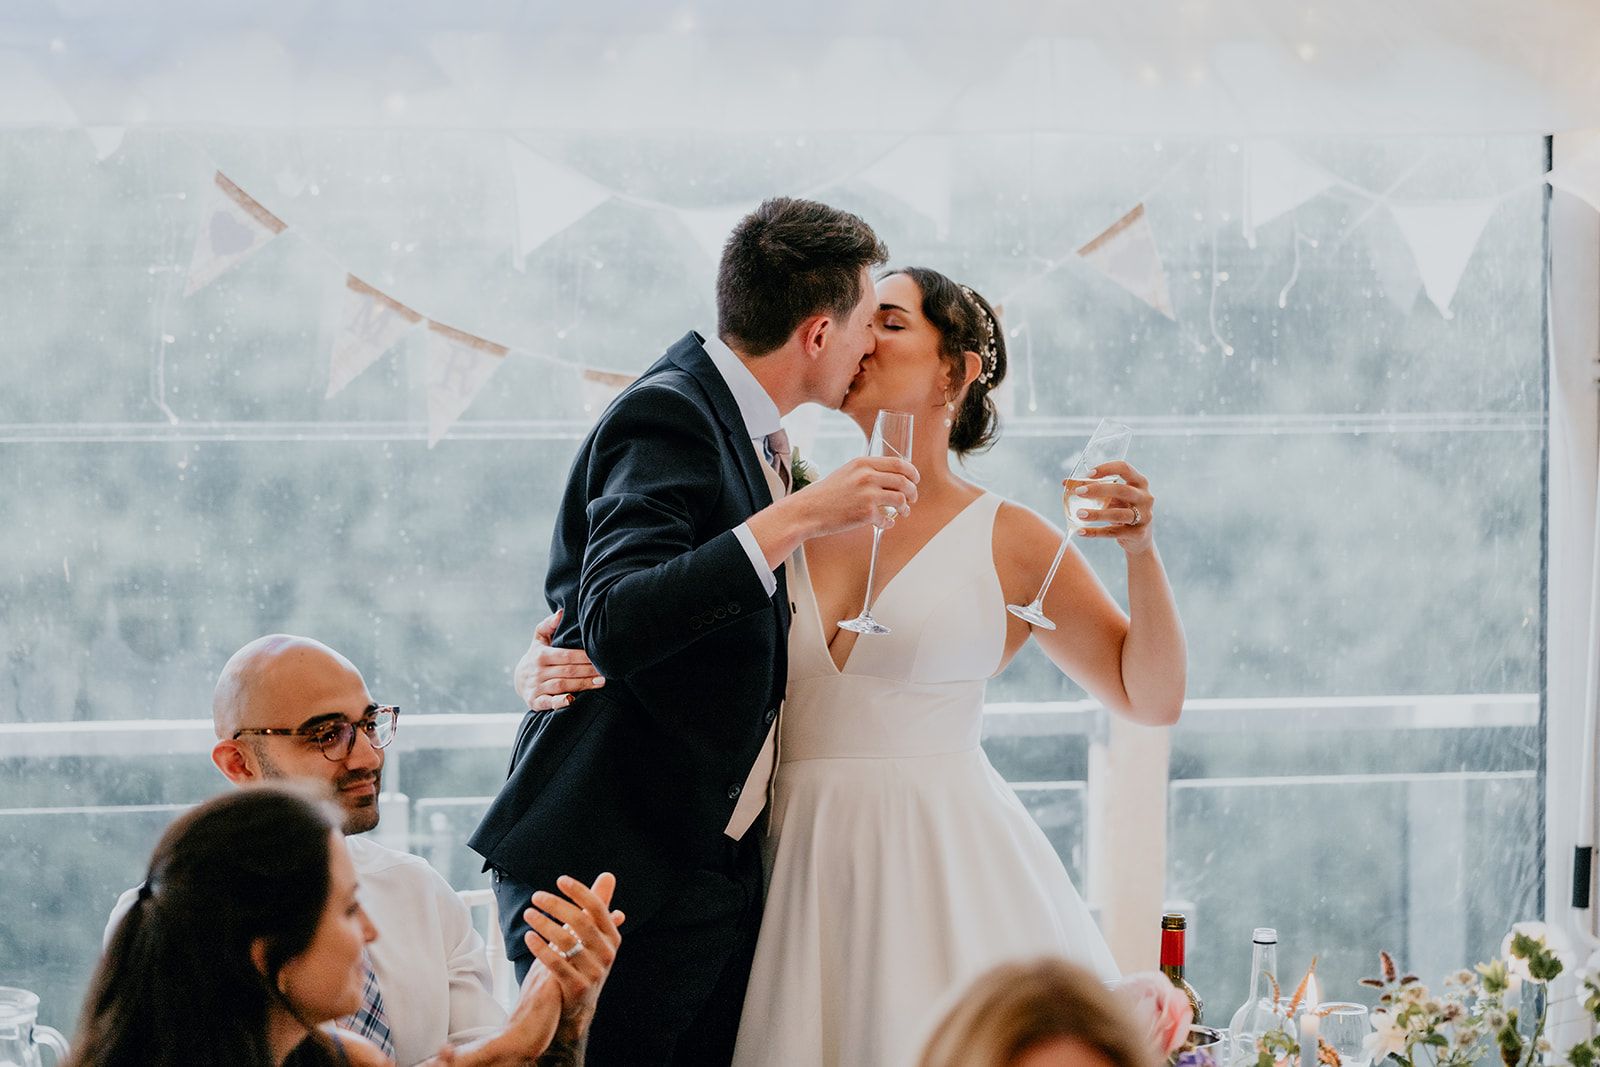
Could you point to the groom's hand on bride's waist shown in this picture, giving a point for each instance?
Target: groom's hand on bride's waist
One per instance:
(547, 677)
(870, 490)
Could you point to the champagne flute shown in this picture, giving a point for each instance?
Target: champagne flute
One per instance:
(1108, 443)
(891, 436)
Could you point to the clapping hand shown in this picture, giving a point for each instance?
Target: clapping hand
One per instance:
(575, 941)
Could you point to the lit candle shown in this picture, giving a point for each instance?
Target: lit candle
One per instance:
(1309, 1026)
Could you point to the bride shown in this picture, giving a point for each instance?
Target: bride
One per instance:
(900, 863)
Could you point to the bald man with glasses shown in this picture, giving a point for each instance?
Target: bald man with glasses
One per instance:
(292, 708)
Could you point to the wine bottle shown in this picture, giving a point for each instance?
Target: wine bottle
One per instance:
(1174, 927)
(1255, 1015)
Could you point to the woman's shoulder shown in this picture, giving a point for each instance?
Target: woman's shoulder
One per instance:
(1019, 526)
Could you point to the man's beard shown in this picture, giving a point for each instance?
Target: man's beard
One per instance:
(360, 813)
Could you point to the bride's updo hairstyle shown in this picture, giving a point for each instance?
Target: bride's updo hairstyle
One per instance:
(966, 323)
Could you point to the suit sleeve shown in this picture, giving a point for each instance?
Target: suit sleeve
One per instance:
(649, 589)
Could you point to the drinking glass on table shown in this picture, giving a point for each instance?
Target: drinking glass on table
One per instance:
(891, 436)
(1108, 443)
(1344, 1027)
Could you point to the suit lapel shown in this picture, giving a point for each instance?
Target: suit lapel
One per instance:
(689, 355)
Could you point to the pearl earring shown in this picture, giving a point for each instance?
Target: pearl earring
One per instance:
(950, 413)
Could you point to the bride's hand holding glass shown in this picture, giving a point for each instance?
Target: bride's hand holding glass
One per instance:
(1116, 499)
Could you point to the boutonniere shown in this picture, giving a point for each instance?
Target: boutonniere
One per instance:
(800, 472)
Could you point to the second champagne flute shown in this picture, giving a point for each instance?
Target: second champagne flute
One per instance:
(1108, 443)
(891, 436)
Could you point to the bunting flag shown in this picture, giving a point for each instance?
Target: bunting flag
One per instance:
(710, 226)
(1578, 172)
(371, 325)
(106, 140)
(550, 198)
(1126, 253)
(1442, 238)
(1276, 181)
(233, 228)
(600, 388)
(917, 173)
(459, 364)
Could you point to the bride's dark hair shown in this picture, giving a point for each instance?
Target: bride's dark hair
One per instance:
(966, 323)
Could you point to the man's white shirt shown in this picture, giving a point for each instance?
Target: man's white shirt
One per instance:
(761, 418)
(429, 958)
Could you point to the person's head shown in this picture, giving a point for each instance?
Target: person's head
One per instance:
(290, 707)
(247, 918)
(795, 276)
(1039, 1013)
(940, 354)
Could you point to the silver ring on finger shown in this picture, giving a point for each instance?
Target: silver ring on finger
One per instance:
(1137, 518)
(575, 951)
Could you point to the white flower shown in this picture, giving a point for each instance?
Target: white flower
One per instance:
(1387, 1039)
(1549, 936)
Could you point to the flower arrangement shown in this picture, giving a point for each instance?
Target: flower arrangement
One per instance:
(1477, 1014)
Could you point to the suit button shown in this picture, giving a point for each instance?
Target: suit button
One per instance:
(719, 614)
(734, 791)
(733, 609)
(772, 713)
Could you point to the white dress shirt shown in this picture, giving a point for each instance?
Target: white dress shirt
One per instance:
(429, 958)
(761, 417)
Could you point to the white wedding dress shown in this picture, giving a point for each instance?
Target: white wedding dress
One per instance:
(900, 863)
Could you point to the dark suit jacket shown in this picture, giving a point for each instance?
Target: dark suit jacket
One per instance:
(641, 777)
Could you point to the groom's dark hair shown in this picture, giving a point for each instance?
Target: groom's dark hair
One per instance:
(786, 261)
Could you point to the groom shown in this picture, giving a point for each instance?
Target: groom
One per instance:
(667, 564)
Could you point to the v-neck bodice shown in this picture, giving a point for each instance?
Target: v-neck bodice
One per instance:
(918, 689)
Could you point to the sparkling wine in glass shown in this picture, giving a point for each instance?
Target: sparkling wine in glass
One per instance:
(1108, 443)
(891, 436)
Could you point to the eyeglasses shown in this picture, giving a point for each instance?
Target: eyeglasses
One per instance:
(337, 737)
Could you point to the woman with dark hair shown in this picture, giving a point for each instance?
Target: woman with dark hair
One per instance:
(247, 937)
(902, 864)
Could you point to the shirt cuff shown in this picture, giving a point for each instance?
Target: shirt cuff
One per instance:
(758, 558)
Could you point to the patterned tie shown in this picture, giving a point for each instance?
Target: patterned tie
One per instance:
(778, 452)
(370, 1020)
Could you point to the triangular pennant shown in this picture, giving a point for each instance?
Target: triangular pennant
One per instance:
(233, 228)
(1277, 181)
(106, 140)
(372, 322)
(711, 226)
(600, 388)
(917, 173)
(550, 198)
(1442, 238)
(459, 364)
(1126, 253)
(1578, 172)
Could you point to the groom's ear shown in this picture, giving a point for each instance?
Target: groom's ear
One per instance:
(813, 334)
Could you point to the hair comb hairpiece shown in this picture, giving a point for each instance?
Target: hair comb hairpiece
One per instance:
(991, 351)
